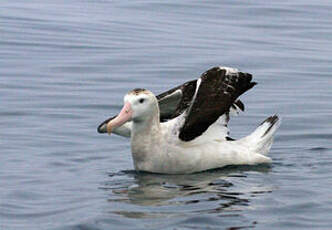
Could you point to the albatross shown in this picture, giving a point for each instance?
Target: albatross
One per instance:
(184, 130)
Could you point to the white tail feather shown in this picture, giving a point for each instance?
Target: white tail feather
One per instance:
(261, 139)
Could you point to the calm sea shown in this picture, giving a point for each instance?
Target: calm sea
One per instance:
(66, 64)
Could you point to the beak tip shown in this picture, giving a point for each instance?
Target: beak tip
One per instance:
(101, 128)
(109, 128)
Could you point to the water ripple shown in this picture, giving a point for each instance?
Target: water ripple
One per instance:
(66, 66)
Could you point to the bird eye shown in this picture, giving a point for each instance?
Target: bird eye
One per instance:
(141, 100)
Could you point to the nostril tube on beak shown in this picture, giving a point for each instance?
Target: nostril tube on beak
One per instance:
(123, 117)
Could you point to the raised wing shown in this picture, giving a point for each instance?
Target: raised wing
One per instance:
(172, 103)
(215, 95)
(175, 101)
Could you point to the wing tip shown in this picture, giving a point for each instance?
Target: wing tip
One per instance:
(240, 105)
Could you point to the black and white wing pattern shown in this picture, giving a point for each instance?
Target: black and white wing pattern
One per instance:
(215, 95)
(176, 101)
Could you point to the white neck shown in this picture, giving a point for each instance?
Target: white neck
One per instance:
(145, 137)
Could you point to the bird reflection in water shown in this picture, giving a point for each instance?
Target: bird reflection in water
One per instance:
(223, 191)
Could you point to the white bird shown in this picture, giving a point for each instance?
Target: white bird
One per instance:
(184, 130)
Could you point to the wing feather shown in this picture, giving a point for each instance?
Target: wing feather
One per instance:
(176, 101)
(217, 92)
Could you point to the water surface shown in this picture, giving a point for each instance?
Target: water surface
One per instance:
(65, 66)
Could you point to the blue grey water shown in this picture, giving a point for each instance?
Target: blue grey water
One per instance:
(66, 64)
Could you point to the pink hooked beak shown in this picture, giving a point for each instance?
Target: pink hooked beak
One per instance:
(124, 115)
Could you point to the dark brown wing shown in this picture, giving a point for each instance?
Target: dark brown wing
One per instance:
(216, 93)
(172, 104)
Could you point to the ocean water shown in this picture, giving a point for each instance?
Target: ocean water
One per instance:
(66, 65)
